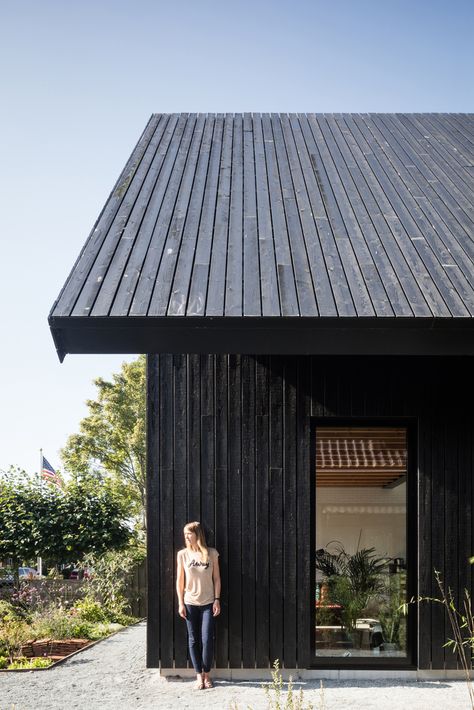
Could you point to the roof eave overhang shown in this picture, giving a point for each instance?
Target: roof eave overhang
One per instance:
(260, 335)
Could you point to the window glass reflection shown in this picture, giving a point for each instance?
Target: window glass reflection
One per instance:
(360, 559)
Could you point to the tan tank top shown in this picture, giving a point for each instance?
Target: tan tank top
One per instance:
(198, 583)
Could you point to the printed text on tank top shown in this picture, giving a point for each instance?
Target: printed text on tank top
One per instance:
(195, 563)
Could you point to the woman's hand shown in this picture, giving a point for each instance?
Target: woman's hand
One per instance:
(182, 611)
(216, 608)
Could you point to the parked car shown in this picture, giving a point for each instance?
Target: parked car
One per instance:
(24, 573)
(28, 573)
(6, 578)
(76, 573)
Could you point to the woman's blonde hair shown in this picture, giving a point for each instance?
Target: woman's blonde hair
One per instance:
(196, 527)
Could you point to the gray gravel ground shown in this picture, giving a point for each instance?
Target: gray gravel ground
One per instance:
(112, 676)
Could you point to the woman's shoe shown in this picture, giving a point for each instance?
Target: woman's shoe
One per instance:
(208, 683)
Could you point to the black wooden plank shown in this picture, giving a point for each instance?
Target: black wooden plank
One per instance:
(234, 273)
(180, 435)
(235, 511)
(105, 252)
(368, 216)
(445, 140)
(347, 199)
(425, 569)
(453, 225)
(75, 281)
(188, 200)
(199, 278)
(262, 493)
(332, 192)
(222, 505)
(317, 387)
(450, 237)
(251, 258)
(437, 165)
(297, 246)
(346, 377)
(464, 508)
(462, 128)
(108, 271)
(277, 510)
(284, 266)
(207, 446)
(423, 236)
(215, 299)
(444, 212)
(451, 127)
(305, 506)
(359, 295)
(167, 552)
(451, 542)
(168, 149)
(317, 264)
(453, 183)
(383, 217)
(290, 527)
(249, 529)
(186, 251)
(401, 221)
(339, 285)
(438, 638)
(268, 275)
(194, 438)
(153, 515)
(149, 268)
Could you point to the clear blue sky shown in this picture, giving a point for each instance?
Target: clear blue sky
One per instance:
(78, 83)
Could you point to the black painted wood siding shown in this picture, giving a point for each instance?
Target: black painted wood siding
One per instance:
(252, 215)
(229, 444)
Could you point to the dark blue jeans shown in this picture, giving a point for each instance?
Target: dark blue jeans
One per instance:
(200, 623)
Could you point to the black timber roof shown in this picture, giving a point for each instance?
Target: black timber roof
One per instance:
(282, 233)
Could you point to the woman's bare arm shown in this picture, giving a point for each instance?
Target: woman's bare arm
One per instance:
(180, 587)
(216, 577)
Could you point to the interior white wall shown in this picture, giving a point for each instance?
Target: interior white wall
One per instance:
(362, 517)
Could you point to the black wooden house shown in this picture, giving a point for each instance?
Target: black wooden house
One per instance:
(303, 287)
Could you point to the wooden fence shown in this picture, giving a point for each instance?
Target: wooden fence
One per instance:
(68, 590)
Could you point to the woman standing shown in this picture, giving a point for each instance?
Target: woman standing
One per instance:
(198, 585)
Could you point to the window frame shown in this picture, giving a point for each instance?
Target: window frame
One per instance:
(371, 662)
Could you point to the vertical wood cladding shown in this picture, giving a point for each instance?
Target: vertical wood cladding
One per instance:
(229, 440)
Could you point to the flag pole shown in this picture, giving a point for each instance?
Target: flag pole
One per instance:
(39, 561)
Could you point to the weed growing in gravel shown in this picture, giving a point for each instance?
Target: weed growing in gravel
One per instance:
(462, 626)
(276, 699)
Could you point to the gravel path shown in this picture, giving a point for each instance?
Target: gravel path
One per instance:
(112, 676)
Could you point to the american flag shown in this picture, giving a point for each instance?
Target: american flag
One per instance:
(49, 474)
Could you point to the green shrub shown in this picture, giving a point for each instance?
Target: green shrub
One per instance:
(122, 619)
(23, 662)
(82, 630)
(59, 624)
(3, 662)
(7, 612)
(40, 662)
(99, 631)
(13, 633)
(110, 580)
(19, 662)
(90, 610)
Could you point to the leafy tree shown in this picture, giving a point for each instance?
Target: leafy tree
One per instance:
(37, 518)
(111, 442)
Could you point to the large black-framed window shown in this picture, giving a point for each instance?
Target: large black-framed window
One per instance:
(364, 542)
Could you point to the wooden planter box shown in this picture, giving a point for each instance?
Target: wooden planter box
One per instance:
(51, 647)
